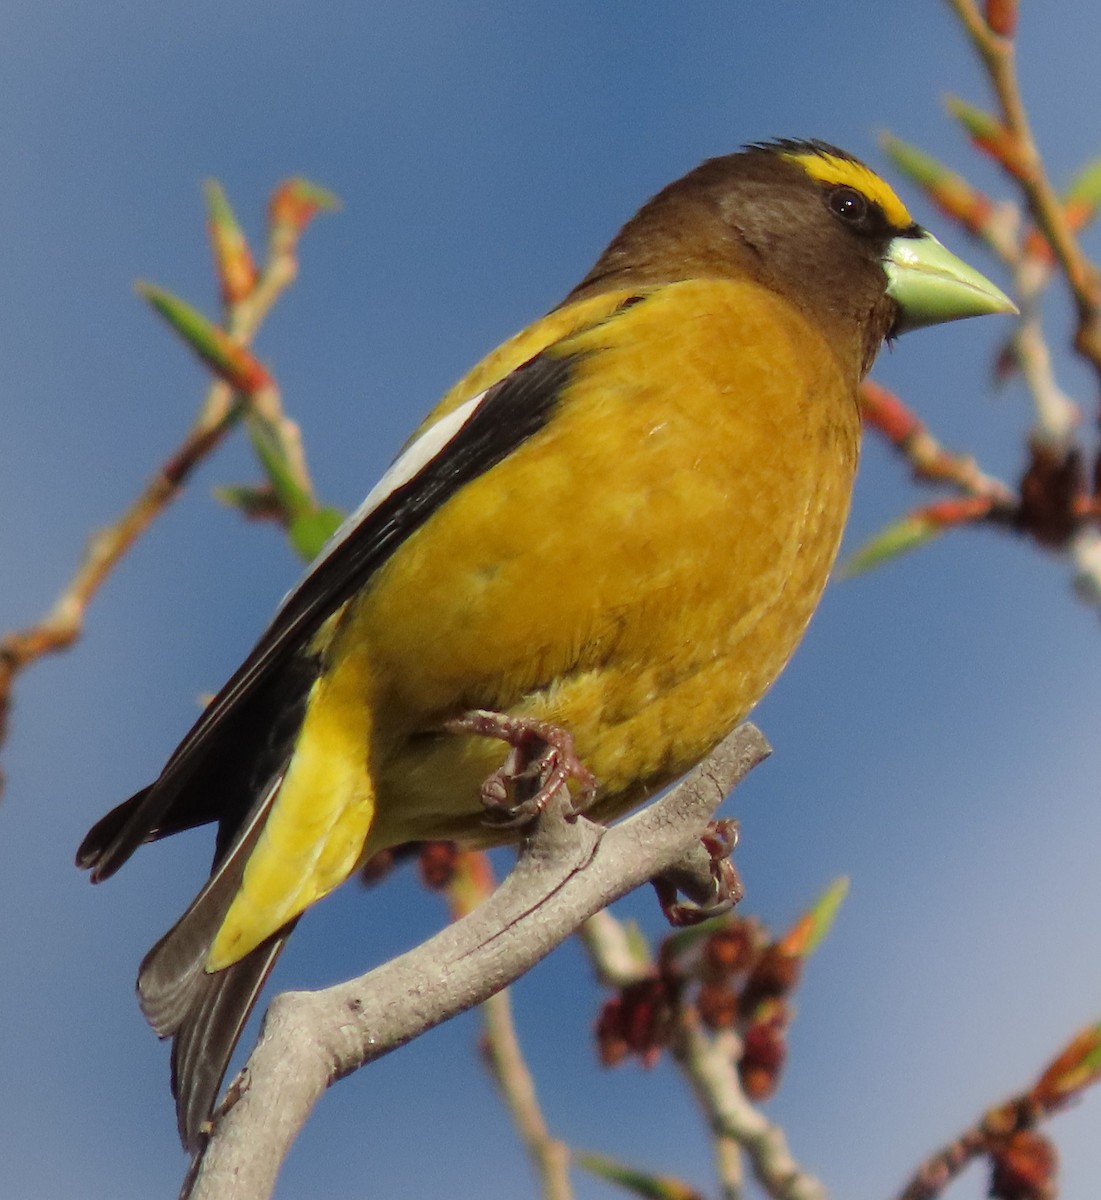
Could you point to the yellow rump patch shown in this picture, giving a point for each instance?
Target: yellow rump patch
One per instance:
(830, 169)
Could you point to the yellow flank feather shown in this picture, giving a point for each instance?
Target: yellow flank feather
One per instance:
(314, 836)
(647, 639)
(832, 169)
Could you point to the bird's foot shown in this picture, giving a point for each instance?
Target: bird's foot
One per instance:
(713, 890)
(541, 759)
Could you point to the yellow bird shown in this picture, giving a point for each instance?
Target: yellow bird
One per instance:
(589, 563)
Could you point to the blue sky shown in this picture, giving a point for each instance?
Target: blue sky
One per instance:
(935, 736)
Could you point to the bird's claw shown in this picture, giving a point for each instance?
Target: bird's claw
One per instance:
(541, 760)
(725, 884)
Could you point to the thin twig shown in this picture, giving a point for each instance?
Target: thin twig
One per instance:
(929, 461)
(616, 959)
(941, 1168)
(998, 57)
(1008, 1133)
(62, 625)
(709, 1062)
(222, 406)
(471, 883)
(710, 1065)
(504, 1058)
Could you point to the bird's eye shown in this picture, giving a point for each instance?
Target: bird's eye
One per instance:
(849, 204)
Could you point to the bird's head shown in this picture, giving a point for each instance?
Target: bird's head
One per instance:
(811, 223)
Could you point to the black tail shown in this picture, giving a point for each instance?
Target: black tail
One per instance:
(228, 769)
(106, 832)
(216, 772)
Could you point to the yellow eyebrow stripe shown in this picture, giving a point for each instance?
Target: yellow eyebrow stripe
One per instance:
(828, 168)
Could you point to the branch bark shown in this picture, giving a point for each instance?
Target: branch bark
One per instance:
(566, 872)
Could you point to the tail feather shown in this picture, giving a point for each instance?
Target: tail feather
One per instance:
(205, 1038)
(228, 771)
(214, 774)
(91, 855)
(99, 853)
(204, 1013)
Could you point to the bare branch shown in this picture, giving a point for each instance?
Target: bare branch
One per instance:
(566, 872)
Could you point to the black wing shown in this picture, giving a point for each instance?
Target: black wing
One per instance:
(259, 693)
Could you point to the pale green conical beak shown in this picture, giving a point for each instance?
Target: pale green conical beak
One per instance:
(932, 285)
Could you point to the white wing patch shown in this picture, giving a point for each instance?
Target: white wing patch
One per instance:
(414, 458)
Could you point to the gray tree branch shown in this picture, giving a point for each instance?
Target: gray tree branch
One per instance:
(566, 871)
